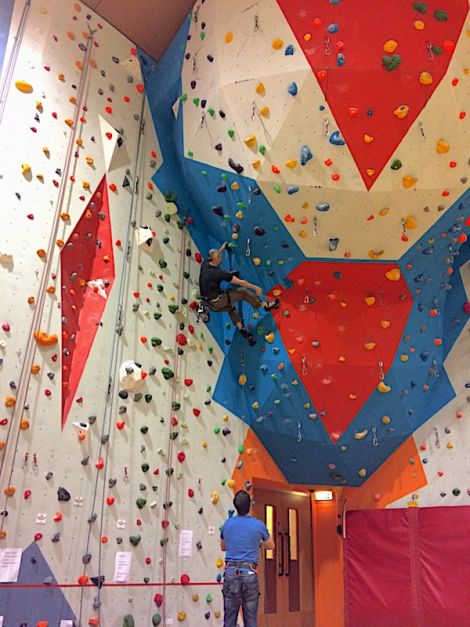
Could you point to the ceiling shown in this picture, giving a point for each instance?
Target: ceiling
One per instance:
(151, 24)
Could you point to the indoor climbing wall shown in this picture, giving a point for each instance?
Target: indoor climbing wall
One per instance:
(336, 166)
(116, 462)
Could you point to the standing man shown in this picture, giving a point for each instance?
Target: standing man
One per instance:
(241, 537)
(210, 278)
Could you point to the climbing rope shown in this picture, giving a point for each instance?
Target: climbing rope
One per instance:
(25, 373)
(10, 67)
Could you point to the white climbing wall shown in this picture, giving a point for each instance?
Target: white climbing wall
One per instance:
(130, 437)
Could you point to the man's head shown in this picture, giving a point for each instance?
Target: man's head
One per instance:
(215, 257)
(242, 502)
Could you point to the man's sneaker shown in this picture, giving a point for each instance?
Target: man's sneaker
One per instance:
(272, 304)
(248, 336)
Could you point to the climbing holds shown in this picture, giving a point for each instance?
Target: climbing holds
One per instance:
(393, 275)
(24, 87)
(305, 155)
(391, 62)
(442, 146)
(425, 78)
(44, 339)
(401, 111)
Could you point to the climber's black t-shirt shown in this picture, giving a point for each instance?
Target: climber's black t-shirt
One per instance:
(210, 279)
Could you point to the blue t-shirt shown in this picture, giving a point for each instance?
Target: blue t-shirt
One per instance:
(242, 536)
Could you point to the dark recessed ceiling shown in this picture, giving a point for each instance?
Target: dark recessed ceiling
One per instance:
(150, 24)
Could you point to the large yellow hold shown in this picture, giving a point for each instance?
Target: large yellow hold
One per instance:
(24, 87)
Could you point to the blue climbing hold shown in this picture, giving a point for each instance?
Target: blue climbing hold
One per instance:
(429, 250)
(322, 206)
(292, 189)
(340, 60)
(333, 244)
(336, 139)
(333, 28)
(305, 155)
(292, 88)
(289, 50)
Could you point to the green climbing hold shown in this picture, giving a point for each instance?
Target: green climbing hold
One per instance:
(128, 621)
(262, 149)
(441, 16)
(157, 315)
(391, 62)
(208, 389)
(436, 50)
(183, 97)
(156, 341)
(141, 502)
(156, 619)
(241, 204)
(144, 429)
(145, 467)
(231, 133)
(210, 350)
(209, 598)
(170, 196)
(202, 35)
(204, 172)
(186, 274)
(196, 101)
(175, 406)
(421, 7)
(224, 176)
(160, 288)
(190, 154)
(241, 449)
(396, 164)
(162, 263)
(166, 240)
(167, 373)
(134, 540)
(277, 402)
(216, 430)
(211, 112)
(277, 188)
(173, 308)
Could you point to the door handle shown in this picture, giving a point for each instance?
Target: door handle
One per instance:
(287, 572)
(280, 552)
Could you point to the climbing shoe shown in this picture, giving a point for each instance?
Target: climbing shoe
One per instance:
(248, 336)
(272, 304)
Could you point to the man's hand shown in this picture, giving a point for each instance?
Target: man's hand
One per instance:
(258, 290)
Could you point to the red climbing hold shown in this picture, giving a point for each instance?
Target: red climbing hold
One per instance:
(181, 456)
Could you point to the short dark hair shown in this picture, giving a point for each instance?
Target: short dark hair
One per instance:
(242, 502)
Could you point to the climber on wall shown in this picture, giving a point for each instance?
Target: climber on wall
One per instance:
(241, 537)
(210, 278)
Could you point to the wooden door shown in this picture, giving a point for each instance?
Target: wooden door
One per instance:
(286, 573)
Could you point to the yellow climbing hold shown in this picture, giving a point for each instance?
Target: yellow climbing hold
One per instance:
(242, 379)
(450, 445)
(256, 164)
(250, 141)
(370, 172)
(384, 212)
(270, 337)
(235, 186)
(265, 111)
(368, 139)
(24, 87)
(442, 146)
(393, 275)
(291, 163)
(214, 497)
(277, 44)
(307, 36)
(225, 417)
(385, 324)
(425, 78)
(404, 358)
(383, 388)
(401, 111)
(360, 435)
(195, 598)
(419, 25)
(90, 160)
(256, 261)
(228, 37)
(370, 346)
(408, 181)
(239, 215)
(341, 358)
(410, 222)
(181, 616)
(369, 300)
(352, 397)
(375, 254)
(303, 234)
(260, 89)
(219, 563)
(386, 420)
(25, 169)
(231, 483)
(362, 472)
(255, 405)
(390, 46)
(204, 444)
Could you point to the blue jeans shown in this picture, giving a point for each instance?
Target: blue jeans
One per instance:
(240, 589)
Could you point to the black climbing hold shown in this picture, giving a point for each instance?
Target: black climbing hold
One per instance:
(217, 209)
(63, 494)
(124, 394)
(235, 166)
